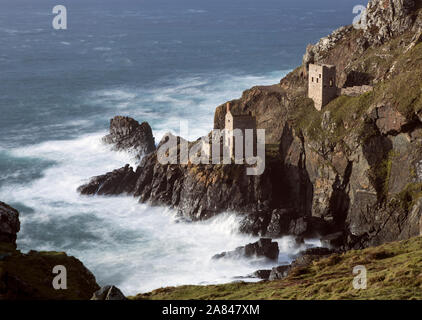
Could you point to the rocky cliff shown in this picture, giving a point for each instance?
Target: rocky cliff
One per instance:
(29, 276)
(9, 224)
(352, 171)
(128, 135)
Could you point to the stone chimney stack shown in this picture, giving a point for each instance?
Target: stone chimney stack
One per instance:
(228, 107)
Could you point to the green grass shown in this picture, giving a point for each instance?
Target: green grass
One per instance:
(394, 271)
(345, 114)
(402, 89)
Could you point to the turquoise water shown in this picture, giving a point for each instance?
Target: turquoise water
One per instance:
(157, 61)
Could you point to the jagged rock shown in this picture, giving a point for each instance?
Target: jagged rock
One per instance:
(315, 53)
(262, 274)
(298, 227)
(334, 240)
(280, 222)
(310, 255)
(197, 191)
(386, 19)
(278, 273)
(119, 181)
(9, 223)
(255, 224)
(388, 120)
(263, 248)
(127, 134)
(108, 293)
(28, 276)
(309, 56)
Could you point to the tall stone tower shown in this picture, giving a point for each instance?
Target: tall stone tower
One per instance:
(241, 122)
(322, 86)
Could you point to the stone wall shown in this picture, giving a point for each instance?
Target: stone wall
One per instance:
(354, 91)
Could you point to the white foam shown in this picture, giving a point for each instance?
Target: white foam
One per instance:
(189, 98)
(137, 248)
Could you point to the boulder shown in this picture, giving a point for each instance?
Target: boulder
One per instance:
(280, 222)
(127, 134)
(108, 293)
(119, 181)
(312, 254)
(9, 223)
(333, 240)
(388, 120)
(279, 272)
(262, 274)
(263, 248)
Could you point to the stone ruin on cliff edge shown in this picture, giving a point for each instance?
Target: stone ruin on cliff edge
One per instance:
(322, 88)
(235, 131)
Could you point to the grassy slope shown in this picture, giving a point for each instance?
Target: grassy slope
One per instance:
(394, 272)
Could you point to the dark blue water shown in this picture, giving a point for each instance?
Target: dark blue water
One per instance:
(155, 60)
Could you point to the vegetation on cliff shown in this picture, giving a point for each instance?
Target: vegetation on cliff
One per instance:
(394, 271)
(29, 276)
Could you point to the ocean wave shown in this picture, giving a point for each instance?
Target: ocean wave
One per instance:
(192, 98)
(196, 11)
(132, 245)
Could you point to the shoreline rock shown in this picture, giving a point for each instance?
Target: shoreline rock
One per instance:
(28, 276)
(108, 293)
(9, 223)
(263, 248)
(127, 134)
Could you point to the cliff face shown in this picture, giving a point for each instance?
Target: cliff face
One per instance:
(9, 224)
(353, 169)
(361, 155)
(127, 134)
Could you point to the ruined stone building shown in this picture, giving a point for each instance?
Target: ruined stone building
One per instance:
(322, 86)
(225, 140)
(241, 122)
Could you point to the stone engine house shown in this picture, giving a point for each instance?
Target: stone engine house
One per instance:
(241, 122)
(322, 86)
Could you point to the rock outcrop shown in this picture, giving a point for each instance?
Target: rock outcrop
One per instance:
(386, 19)
(309, 255)
(108, 293)
(127, 134)
(303, 259)
(197, 191)
(279, 272)
(263, 248)
(9, 224)
(29, 276)
(119, 181)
